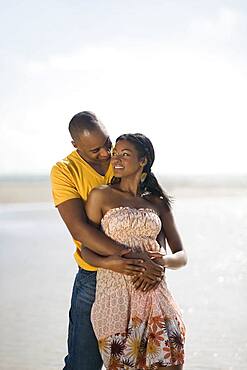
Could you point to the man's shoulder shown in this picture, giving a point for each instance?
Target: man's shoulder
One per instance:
(66, 161)
(64, 180)
(65, 164)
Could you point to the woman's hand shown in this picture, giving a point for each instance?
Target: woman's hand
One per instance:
(158, 257)
(173, 261)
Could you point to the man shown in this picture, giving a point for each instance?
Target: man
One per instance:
(72, 179)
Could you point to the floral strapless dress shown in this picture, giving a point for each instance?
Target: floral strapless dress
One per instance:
(135, 330)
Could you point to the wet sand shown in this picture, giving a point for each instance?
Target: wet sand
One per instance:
(37, 271)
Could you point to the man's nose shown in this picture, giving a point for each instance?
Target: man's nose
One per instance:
(104, 152)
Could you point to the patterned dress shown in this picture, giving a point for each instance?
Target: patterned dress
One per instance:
(135, 330)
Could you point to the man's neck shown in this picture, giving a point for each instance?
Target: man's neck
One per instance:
(101, 166)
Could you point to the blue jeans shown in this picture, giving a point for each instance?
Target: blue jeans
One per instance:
(83, 353)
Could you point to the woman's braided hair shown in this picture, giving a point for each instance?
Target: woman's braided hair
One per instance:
(145, 149)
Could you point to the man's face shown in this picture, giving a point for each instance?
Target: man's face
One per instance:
(94, 147)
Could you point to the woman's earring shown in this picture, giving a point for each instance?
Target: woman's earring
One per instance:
(143, 176)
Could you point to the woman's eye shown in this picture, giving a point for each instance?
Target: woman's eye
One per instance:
(114, 154)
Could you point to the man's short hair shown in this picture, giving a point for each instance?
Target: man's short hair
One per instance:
(83, 121)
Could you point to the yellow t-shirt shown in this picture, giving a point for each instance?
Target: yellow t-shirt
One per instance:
(75, 178)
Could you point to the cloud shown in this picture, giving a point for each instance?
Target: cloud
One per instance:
(227, 26)
(189, 100)
(94, 58)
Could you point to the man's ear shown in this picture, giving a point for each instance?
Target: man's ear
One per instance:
(74, 144)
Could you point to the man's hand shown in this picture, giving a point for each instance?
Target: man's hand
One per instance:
(153, 273)
(145, 284)
(127, 266)
(153, 270)
(151, 278)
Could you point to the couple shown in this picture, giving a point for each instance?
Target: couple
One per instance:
(121, 227)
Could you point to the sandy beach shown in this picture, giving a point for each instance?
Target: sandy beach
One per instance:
(36, 189)
(37, 271)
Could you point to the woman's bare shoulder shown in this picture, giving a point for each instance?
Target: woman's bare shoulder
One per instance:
(100, 190)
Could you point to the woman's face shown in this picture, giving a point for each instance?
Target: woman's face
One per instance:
(124, 160)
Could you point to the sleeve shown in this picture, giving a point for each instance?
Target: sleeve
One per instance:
(62, 184)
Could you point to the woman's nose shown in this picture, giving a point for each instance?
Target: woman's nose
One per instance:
(116, 158)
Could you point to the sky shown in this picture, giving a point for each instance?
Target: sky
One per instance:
(174, 70)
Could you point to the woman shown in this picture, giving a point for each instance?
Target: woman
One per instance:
(135, 329)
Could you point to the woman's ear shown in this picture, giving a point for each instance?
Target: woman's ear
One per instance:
(143, 162)
(74, 144)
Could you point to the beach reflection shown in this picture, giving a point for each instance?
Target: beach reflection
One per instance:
(37, 271)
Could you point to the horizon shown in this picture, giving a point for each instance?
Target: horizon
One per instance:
(34, 189)
(196, 178)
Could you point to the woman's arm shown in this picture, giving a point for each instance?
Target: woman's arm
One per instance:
(178, 258)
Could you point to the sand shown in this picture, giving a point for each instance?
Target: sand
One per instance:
(37, 272)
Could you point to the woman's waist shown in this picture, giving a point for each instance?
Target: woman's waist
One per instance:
(138, 243)
(109, 281)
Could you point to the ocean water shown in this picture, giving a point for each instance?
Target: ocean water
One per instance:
(37, 272)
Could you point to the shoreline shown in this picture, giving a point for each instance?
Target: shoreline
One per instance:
(38, 190)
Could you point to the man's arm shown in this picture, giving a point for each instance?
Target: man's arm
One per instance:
(71, 208)
(116, 263)
(73, 214)
(98, 244)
